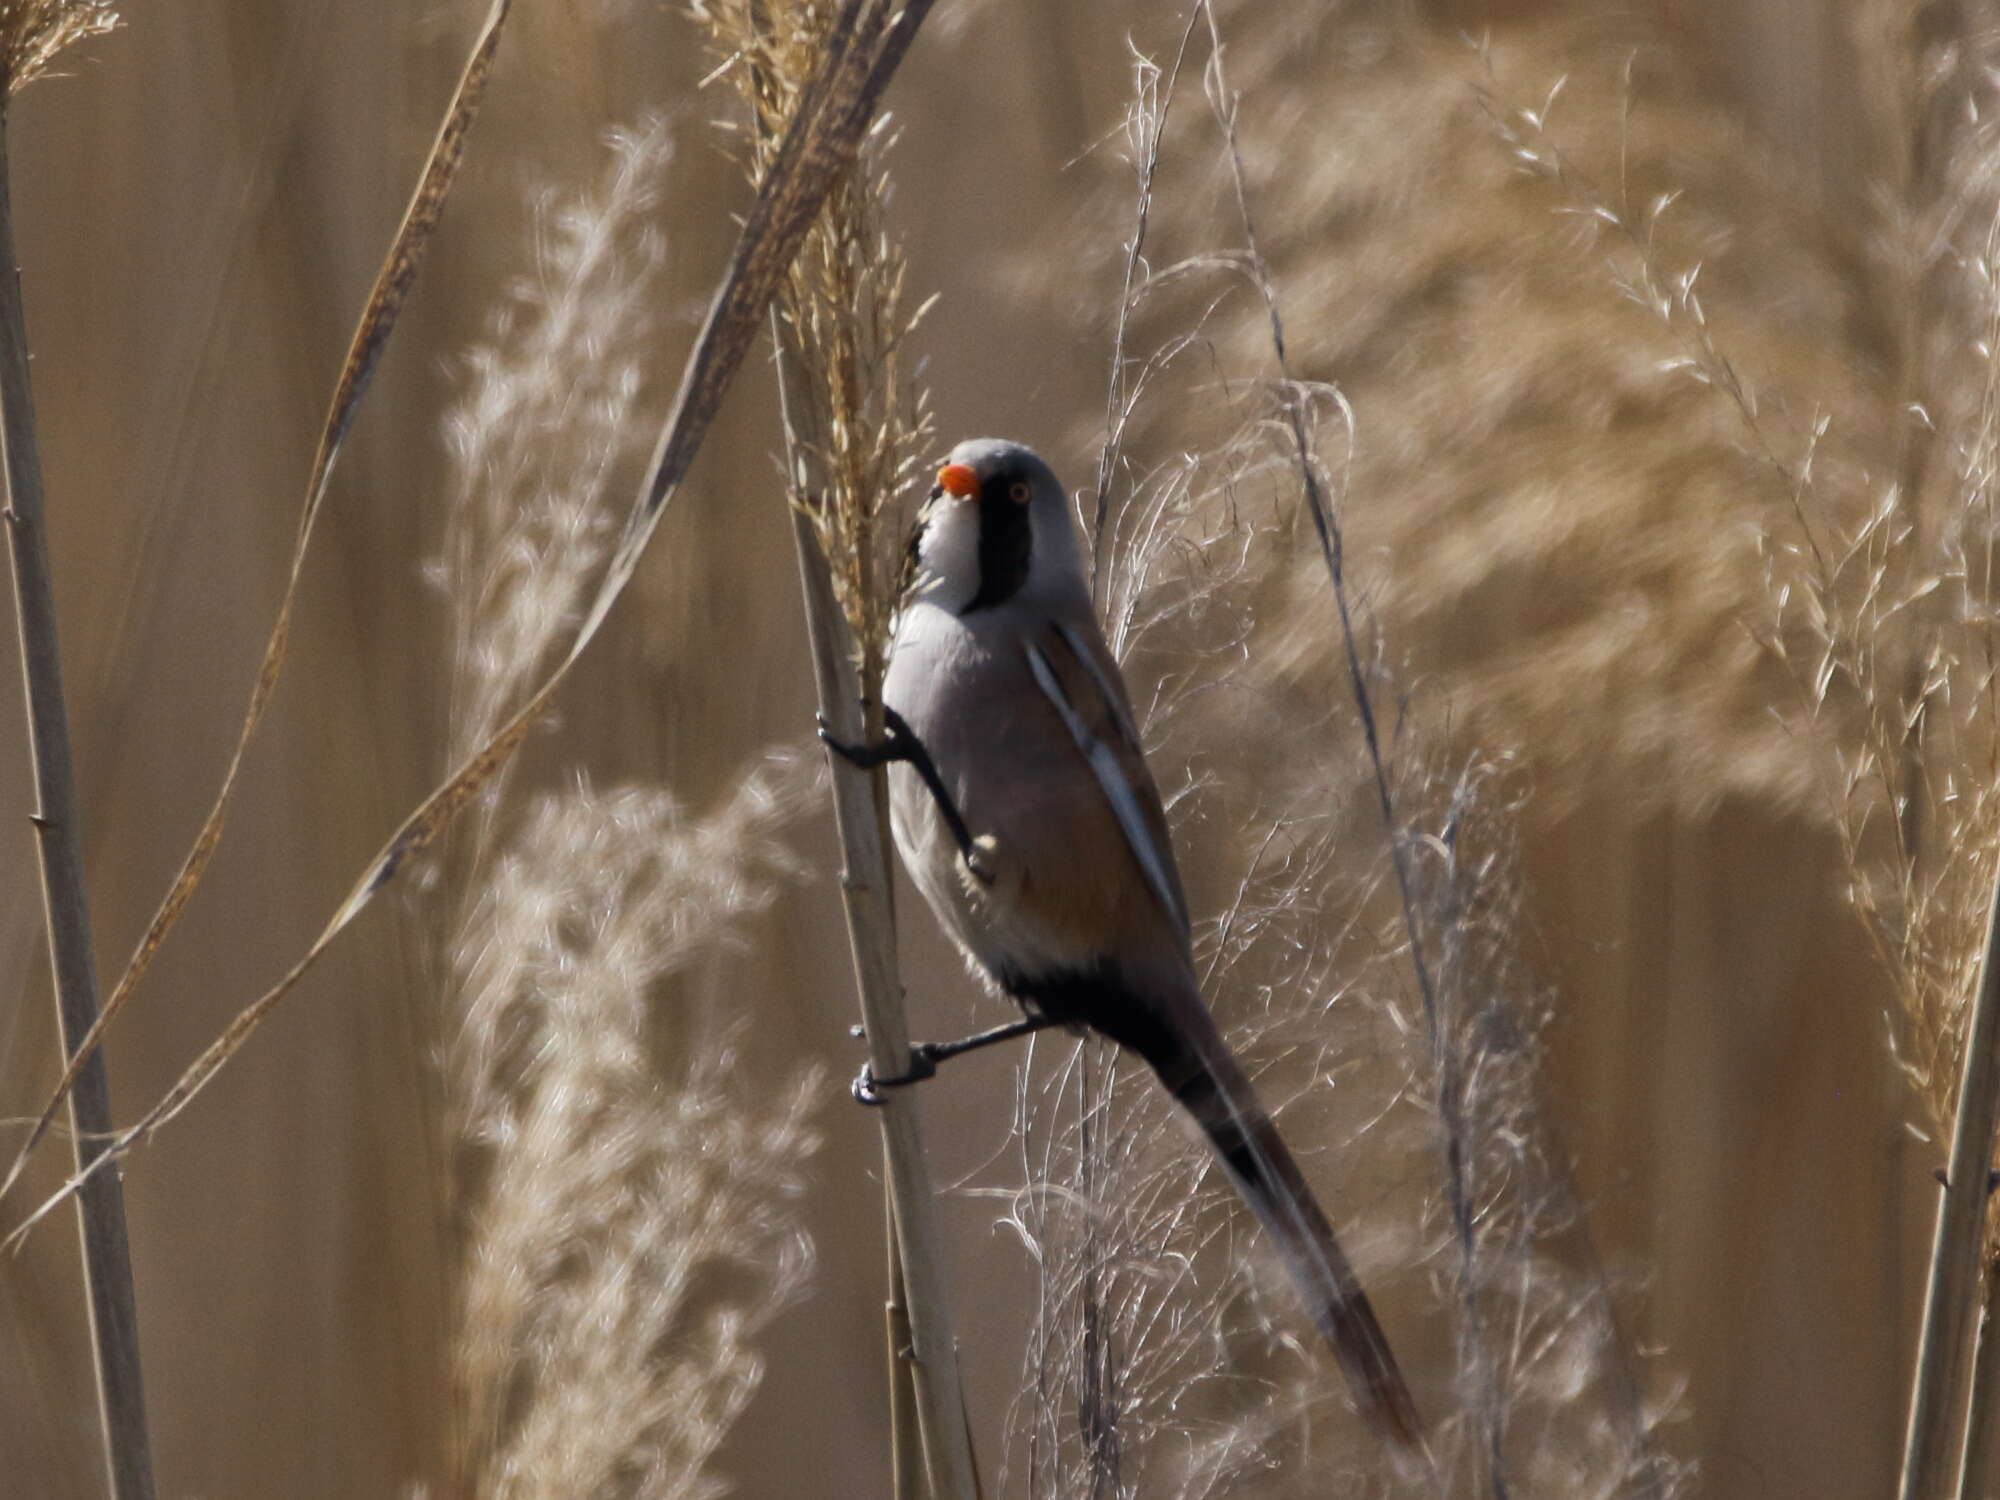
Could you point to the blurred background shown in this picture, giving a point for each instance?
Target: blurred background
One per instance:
(1560, 544)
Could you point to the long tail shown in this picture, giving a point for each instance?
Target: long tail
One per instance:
(1212, 1087)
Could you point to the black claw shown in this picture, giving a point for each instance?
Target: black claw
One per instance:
(895, 743)
(899, 742)
(854, 755)
(867, 1088)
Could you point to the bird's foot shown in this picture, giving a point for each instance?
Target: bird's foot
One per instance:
(866, 1087)
(859, 754)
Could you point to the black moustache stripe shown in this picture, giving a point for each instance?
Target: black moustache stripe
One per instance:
(1005, 544)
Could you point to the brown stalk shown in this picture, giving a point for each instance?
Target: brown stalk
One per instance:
(1952, 1292)
(107, 1256)
(821, 143)
(1982, 1423)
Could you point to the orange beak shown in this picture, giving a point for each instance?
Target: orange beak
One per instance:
(958, 481)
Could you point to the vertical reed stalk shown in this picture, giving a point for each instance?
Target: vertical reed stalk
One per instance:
(107, 1258)
(860, 814)
(905, 1443)
(1982, 1422)
(1937, 1396)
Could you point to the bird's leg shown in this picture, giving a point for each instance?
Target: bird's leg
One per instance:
(900, 742)
(925, 1056)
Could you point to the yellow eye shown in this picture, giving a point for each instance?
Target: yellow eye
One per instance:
(1019, 492)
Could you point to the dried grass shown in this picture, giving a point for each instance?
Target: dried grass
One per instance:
(1380, 997)
(1876, 537)
(627, 1235)
(626, 1232)
(859, 429)
(34, 32)
(549, 425)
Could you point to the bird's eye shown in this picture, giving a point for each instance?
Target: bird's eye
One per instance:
(1018, 492)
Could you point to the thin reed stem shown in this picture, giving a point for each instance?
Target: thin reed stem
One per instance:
(861, 815)
(107, 1256)
(1982, 1421)
(1951, 1296)
(905, 1442)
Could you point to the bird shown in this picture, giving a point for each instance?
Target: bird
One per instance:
(1022, 806)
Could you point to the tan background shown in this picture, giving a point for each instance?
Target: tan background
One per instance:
(200, 206)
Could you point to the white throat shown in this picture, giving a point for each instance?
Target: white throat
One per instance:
(948, 555)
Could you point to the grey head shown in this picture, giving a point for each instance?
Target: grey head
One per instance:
(995, 531)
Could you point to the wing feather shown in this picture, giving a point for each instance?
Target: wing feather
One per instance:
(1081, 683)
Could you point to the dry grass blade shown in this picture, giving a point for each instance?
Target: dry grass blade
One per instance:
(371, 334)
(821, 143)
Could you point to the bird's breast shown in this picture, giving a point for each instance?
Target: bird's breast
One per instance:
(1065, 893)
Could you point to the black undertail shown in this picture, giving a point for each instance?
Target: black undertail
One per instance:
(1096, 999)
(1191, 1060)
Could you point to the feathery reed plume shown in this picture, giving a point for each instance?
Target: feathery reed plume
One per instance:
(1138, 1382)
(860, 429)
(854, 436)
(33, 32)
(549, 425)
(1879, 563)
(625, 1240)
(867, 45)
(623, 1236)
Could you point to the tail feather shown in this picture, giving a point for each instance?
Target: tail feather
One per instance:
(1214, 1090)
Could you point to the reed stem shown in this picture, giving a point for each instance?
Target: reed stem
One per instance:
(107, 1256)
(1951, 1296)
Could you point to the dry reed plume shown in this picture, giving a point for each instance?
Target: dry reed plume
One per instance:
(625, 1234)
(34, 32)
(859, 430)
(865, 47)
(1766, 406)
(1880, 570)
(1395, 1027)
(550, 427)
